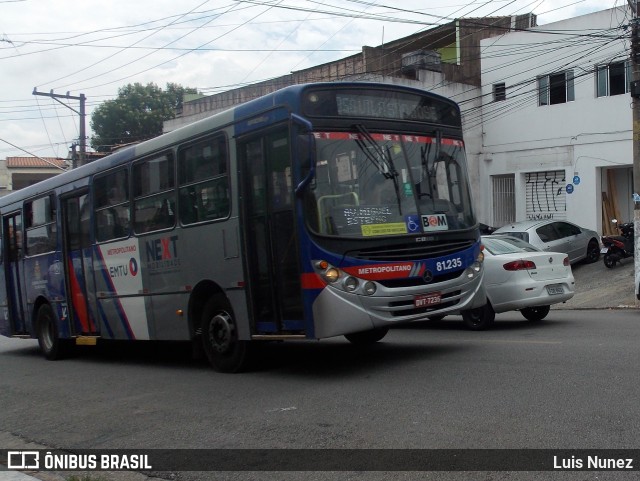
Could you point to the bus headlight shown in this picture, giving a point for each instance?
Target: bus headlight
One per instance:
(343, 280)
(331, 275)
(350, 284)
(369, 288)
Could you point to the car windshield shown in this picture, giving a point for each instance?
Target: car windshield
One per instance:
(386, 184)
(506, 245)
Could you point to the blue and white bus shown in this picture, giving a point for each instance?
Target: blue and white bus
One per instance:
(316, 211)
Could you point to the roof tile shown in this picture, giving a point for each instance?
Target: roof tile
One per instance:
(35, 162)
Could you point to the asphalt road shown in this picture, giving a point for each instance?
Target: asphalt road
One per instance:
(567, 382)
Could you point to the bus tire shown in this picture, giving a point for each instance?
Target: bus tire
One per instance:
(367, 337)
(225, 352)
(49, 340)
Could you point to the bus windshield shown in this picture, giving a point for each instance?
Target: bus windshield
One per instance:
(375, 184)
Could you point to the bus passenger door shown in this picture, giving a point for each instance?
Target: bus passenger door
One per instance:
(77, 264)
(14, 272)
(269, 227)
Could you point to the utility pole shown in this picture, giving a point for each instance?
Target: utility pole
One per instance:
(83, 135)
(635, 99)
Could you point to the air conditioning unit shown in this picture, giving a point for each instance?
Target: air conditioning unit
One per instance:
(421, 60)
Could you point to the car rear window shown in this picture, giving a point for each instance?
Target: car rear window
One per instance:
(501, 246)
(520, 235)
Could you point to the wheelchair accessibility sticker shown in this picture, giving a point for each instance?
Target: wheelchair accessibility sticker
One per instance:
(413, 224)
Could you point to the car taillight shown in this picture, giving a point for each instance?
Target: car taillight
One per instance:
(519, 265)
(565, 262)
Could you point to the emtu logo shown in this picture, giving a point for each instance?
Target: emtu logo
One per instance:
(133, 267)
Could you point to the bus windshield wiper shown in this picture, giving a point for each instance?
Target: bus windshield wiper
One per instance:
(382, 159)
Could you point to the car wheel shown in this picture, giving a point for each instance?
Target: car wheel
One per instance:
(480, 318)
(609, 261)
(593, 251)
(535, 313)
(367, 337)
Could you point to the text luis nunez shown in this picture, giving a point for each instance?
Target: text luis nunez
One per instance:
(592, 462)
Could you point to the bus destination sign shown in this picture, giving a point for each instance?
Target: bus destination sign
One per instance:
(380, 104)
(384, 107)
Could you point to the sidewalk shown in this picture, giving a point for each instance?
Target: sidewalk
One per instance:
(598, 287)
(12, 475)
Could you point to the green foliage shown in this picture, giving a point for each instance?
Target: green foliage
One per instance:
(136, 114)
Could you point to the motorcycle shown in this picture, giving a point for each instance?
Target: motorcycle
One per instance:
(618, 247)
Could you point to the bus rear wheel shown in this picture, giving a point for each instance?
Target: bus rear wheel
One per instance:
(367, 337)
(225, 352)
(49, 340)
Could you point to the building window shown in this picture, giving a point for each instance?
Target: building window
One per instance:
(613, 78)
(499, 92)
(556, 88)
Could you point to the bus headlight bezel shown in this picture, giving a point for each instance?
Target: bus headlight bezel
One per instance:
(350, 284)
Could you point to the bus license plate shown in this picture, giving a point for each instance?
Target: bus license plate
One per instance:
(427, 300)
(555, 289)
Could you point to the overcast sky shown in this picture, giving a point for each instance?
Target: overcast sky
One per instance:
(94, 47)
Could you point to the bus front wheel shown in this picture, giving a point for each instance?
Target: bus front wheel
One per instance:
(225, 352)
(49, 340)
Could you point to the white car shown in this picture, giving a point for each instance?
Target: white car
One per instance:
(519, 276)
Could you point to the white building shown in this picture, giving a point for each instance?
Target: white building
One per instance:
(557, 122)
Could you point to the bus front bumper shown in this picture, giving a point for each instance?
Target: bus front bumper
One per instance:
(337, 312)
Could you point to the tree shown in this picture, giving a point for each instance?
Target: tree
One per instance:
(135, 115)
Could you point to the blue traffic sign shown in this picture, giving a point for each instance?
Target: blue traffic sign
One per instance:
(569, 188)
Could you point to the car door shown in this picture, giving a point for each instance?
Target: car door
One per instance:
(550, 238)
(575, 242)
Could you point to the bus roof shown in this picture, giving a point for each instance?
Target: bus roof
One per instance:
(287, 97)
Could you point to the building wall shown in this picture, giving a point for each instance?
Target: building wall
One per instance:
(582, 138)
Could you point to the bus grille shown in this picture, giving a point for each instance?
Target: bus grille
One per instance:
(405, 252)
(417, 281)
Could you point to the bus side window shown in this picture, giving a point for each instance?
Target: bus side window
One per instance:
(203, 181)
(154, 194)
(40, 228)
(111, 205)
